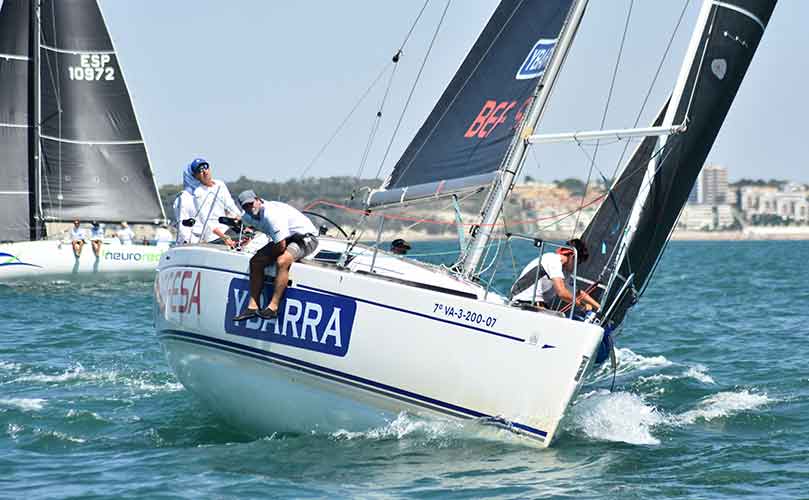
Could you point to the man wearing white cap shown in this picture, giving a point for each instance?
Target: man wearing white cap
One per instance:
(293, 238)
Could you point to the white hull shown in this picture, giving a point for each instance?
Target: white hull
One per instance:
(49, 259)
(381, 347)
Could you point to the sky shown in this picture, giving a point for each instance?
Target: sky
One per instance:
(258, 87)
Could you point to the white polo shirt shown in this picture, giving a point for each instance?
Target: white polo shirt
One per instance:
(552, 264)
(279, 221)
(77, 234)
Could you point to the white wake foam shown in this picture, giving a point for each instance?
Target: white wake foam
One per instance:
(13, 430)
(9, 366)
(724, 404)
(628, 362)
(26, 404)
(76, 373)
(404, 426)
(698, 372)
(616, 416)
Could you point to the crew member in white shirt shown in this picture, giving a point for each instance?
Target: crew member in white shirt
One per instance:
(554, 272)
(212, 200)
(96, 237)
(188, 224)
(77, 237)
(125, 234)
(293, 238)
(163, 237)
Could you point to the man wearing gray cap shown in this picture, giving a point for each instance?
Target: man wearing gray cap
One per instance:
(293, 238)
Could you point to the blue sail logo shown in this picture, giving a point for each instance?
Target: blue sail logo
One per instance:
(537, 60)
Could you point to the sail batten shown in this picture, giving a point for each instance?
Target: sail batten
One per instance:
(465, 138)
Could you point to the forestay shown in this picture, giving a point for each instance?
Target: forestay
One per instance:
(94, 159)
(462, 143)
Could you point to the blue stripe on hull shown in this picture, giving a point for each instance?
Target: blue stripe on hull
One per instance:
(345, 378)
(358, 299)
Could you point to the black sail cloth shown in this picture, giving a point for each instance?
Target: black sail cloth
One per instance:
(94, 159)
(466, 136)
(729, 41)
(17, 203)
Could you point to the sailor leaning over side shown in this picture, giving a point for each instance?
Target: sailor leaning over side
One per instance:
(293, 238)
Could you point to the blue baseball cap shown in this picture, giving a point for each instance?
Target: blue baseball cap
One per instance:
(197, 164)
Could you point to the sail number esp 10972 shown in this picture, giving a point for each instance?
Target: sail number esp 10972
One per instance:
(92, 67)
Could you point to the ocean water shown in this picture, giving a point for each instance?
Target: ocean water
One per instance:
(711, 400)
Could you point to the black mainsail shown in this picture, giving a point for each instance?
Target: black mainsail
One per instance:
(722, 52)
(17, 204)
(465, 138)
(93, 152)
(71, 146)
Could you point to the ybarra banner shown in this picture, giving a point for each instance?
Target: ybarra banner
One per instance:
(309, 320)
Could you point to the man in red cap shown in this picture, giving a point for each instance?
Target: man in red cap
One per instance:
(554, 272)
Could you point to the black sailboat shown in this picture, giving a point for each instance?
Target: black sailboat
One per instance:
(70, 142)
(72, 147)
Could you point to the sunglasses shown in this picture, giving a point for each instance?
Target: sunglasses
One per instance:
(247, 207)
(202, 167)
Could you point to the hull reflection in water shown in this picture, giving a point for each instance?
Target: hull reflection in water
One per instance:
(352, 349)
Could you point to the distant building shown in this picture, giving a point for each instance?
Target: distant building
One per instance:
(714, 185)
(706, 217)
(791, 202)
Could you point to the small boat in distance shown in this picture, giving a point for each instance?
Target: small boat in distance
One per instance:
(70, 142)
(363, 334)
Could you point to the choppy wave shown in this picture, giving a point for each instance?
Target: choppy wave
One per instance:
(724, 404)
(629, 362)
(26, 404)
(78, 373)
(629, 418)
(404, 425)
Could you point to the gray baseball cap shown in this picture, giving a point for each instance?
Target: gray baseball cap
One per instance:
(248, 196)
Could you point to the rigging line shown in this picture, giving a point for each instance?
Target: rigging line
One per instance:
(413, 88)
(377, 120)
(413, 26)
(463, 86)
(345, 120)
(606, 108)
(654, 80)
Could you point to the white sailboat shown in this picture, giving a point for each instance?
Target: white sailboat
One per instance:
(71, 145)
(363, 335)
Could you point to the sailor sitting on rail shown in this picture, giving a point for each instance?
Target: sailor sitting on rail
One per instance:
(212, 200)
(293, 238)
(554, 271)
(77, 237)
(96, 237)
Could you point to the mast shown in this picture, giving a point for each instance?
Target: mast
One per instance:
(37, 230)
(516, 156)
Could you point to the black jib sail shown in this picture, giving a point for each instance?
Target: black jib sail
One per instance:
(94, 159)
(463, 142)
(16, 134)
(608, 226)
(723, 51)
